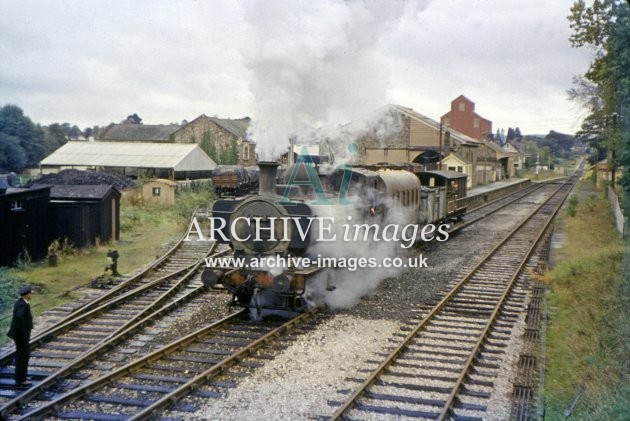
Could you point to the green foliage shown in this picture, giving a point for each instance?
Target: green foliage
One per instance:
(605, 89)
(187, 201)
(208, 146)
(572, 204)
(24, 144)
(587, 333)
(22, 140)
(9, 284)
(229, 155)
(12, 155)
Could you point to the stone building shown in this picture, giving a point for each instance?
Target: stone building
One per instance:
(224, 140)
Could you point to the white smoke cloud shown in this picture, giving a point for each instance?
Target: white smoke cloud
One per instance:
(314, 65)
(351, 285)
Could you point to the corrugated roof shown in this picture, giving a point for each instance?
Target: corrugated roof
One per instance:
(139, 132)
(177, 156)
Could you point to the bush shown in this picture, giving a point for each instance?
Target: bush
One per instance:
(572, 205)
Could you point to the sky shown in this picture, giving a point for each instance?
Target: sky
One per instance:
(289, 64)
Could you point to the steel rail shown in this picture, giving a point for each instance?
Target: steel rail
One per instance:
(81, 318)
(512, 197)
(156, 355)
(218, 368)
(52, 406)
(106, 341)
(450, 401)
(349, 402)
(76, 319)
(127, 284)
(94, 352)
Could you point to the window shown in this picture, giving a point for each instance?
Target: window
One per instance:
(16, 206)
(460, 168)
(462, 106)
(451, 168)
(156, 191)
(245, 152)
(476, 123)
(447, 121)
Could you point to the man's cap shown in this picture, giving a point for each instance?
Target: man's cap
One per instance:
(25, 290)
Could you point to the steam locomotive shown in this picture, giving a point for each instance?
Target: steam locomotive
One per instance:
(283, 220)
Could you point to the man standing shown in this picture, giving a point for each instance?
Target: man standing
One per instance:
(20, 332)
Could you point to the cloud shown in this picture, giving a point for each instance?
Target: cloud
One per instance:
(95, 62)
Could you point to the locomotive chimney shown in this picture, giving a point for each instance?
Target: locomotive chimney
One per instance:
(267, 180)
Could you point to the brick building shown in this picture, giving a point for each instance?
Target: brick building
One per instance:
(463, 118)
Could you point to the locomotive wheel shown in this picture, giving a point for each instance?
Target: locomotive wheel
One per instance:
(255, 308)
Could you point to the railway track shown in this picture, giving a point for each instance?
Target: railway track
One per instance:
(188, 367)
(176, 261)
(177, 265)
(65, 346)
(444, 367)
(180, 257)
(487, 209)
(76, 362)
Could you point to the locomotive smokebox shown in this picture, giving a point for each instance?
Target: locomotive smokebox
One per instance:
(267, 180)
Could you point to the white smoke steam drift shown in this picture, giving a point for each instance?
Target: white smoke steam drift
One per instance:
(351, 285)
(315, 65)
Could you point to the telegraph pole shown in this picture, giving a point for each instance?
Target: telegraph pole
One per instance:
(440, 152)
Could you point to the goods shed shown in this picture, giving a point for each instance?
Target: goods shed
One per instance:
(164, 160)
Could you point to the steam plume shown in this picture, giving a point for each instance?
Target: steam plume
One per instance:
(315, 65)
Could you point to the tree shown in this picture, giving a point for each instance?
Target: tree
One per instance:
(605, 88)
(510, 134)
(517, 134)
(12, 155)
(208, 146)
(18, 128)
(133, 119)
(54, 137)
(498, 138)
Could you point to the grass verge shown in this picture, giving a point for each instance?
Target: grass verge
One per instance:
(588, 303)
(145, 231)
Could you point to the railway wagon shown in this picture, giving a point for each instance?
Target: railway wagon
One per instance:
(230, 180)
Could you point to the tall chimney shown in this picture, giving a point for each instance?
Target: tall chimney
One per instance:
(267, 180)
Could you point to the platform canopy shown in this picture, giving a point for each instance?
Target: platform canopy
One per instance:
(173, 156)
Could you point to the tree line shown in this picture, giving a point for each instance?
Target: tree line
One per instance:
(604, 90)
(23, 144)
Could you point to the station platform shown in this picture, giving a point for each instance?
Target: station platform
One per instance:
(494, 186)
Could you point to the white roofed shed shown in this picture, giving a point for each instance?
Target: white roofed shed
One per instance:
(175, 157)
